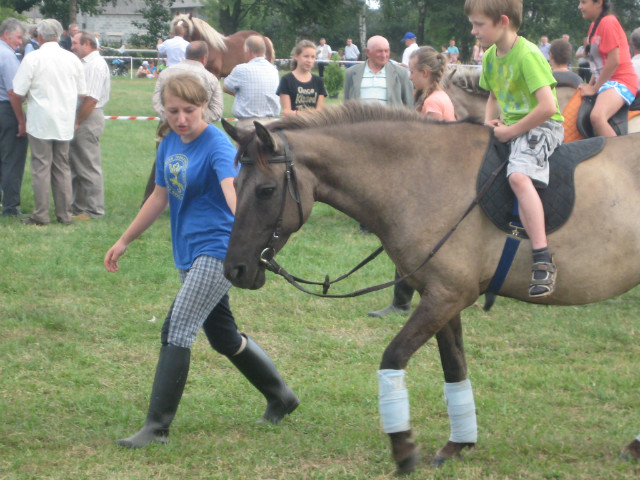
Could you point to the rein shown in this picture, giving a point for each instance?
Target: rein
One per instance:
(291, 185)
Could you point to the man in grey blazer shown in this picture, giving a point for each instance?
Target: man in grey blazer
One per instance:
(377, 79)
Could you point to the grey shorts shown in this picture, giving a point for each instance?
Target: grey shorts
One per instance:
(530, 152)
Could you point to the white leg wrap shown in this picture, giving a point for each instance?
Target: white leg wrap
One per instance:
(638, 437)
(462, 412)
(393, 401)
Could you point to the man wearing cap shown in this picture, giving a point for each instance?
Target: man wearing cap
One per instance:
(51, 79)
(409, 40)
(143, 70)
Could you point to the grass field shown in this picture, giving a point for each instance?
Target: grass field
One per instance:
(556, 388)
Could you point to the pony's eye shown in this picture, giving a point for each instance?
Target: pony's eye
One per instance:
(265, 192)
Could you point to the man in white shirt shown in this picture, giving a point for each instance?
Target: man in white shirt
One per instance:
(84, 152)
(323, 55)
(410, 42)
(175, 48)
(351, 53)
(51, 79)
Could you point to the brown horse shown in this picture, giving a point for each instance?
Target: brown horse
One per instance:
(224, 52)
(409, 185)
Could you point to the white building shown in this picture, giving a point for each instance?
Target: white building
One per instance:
(115, 23)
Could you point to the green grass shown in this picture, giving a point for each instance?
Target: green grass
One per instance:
(556, 388)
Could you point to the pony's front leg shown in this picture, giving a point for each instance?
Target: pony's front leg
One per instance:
(632, 451)
(393, 393)
(457, 393)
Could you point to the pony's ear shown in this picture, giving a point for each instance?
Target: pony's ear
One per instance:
(231, 130)
(265, 137)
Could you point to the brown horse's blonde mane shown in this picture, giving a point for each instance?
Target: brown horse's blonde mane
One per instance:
(464, 77)
(209, 34)
(347, 113)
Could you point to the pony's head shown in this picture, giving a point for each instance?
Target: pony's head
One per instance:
(462, 84)
(275, 186)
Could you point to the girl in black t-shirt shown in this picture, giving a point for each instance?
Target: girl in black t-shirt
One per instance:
(301, 89)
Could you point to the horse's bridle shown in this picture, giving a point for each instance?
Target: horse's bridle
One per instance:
(291, 186)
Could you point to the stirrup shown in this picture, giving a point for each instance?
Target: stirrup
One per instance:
(547, 284)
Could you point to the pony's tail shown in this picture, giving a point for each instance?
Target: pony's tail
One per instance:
(270, 54)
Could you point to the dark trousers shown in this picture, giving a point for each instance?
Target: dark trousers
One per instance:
(13, 154)
(321, 66)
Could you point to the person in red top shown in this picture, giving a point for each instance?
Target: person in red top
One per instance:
(614, 79)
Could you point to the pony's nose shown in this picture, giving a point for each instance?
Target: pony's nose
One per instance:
(234, 273)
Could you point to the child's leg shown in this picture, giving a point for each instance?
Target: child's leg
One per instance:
(607, 104)
(530, 209)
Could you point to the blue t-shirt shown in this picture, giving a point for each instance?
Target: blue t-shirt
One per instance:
(191, 172)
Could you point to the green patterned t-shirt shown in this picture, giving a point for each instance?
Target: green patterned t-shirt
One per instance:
(514, 79)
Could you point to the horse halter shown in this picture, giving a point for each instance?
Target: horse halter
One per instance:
(291, 186)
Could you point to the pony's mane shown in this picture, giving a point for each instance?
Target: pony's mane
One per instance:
(209, 34)
(347, 113)
(465, 77)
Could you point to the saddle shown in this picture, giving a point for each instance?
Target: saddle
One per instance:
(577, 122)
(557, 199)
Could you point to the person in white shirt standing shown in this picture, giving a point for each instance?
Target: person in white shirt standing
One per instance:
(84, 153)
(51, 79)
(323, 55)
(174, 48)
(411, 43)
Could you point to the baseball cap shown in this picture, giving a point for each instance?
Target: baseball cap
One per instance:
(408, 36)
(145, 63)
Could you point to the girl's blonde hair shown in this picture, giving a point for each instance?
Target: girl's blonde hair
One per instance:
(297, 50)
(428, 58)
(187, 87)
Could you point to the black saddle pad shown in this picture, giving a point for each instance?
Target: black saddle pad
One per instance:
(557, 199)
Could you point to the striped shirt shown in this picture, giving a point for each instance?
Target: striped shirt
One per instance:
(98, 78)
(374, 85)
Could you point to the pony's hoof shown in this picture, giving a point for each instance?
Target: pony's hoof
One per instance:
(449, 451)
(409, 464)
(631, 453)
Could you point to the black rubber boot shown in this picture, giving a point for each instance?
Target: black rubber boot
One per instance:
(258, 368)
(402, 295)
(168, 385)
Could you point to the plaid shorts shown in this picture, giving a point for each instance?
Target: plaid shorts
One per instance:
(203, 285)
(530, 151)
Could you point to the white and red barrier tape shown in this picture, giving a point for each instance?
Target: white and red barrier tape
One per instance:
(150, 118)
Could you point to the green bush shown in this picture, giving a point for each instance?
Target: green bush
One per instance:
(333, 78)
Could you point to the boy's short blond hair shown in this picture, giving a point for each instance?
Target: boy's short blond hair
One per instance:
(494, 9)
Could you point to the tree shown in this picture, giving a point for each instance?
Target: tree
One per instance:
(65, 11)
(156, 17)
